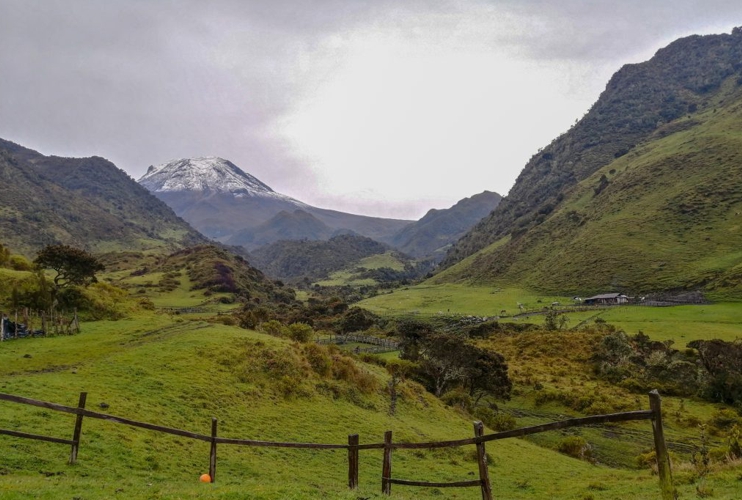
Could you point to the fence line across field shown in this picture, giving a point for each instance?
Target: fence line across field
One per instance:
(357, 337)
(353, 446)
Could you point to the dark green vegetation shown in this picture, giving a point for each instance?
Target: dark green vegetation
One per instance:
(643, 194)
(314, 260)
(432, 235)
(84, 202)
(71, 265)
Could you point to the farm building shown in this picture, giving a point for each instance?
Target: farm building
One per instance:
(606, 298)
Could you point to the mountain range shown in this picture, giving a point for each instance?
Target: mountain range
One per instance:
(90, 203)
(643, 193)
(226, 203)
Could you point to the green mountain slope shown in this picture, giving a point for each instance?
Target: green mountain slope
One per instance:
(682, 79)
(438, 229)
(296, 225)
(85, 202)
(666, 216)
(641, 195)
(292, 260)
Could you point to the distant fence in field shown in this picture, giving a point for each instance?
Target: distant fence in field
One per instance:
(353, 445)
(383, 345)
(20, 324)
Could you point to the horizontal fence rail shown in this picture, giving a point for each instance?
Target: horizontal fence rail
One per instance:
(353, 446)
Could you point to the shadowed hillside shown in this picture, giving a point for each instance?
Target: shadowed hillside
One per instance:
(438, 229)
(84, 202)
(314, 259)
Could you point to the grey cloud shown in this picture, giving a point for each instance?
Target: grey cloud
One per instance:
(142, 81)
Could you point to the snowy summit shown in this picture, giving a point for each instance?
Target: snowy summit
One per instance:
(208, 175)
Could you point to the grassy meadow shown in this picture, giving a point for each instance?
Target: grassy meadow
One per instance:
(681, 324)
(182, 373)
(182, 370)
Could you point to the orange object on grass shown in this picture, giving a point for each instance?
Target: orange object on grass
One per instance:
(205, 478)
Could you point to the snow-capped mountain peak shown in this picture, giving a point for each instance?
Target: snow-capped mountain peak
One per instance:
(207, 175)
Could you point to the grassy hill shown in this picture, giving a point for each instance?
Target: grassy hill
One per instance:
(313, 260)
(642, 194)
(84, 202)
(182, 370)
(666, 216)
(432, 235)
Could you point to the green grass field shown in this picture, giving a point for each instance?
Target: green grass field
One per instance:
(180, 374)
(180, 371)
(679, 323)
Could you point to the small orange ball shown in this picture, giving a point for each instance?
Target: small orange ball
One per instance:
(205, 478)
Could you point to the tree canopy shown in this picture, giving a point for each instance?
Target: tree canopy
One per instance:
(72, 265)
(447, 360)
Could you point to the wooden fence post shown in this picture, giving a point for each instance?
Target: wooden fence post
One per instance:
(212, 455)
(78, 429)
(484, 475)
(353, 461)
(386, 469)
(43, 323)
(663, 458)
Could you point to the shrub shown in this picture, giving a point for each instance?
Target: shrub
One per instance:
(735, 449)
(496, 421)
(344, 368)
(20, 263)
(457, 398)
(722, 420)
(273, 327)
(146, 304)
(319, 359)
(300, 332)
(648, 460)
(577, 447)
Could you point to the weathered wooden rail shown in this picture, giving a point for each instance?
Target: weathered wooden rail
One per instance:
(383, 345)
(353, 446)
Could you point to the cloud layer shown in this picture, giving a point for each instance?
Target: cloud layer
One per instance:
(380, 107)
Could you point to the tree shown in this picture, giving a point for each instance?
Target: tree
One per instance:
(446, 360)
(72, 265)
(487, 374)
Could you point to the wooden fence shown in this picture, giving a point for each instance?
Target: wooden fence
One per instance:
(353, 446)
(383, 345)
(19, 325)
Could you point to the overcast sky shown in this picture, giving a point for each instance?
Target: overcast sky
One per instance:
(378, 107)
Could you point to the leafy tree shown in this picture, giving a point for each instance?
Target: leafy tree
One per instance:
(356, 319)
(72, 265)
(487, 374)
(447, 360)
